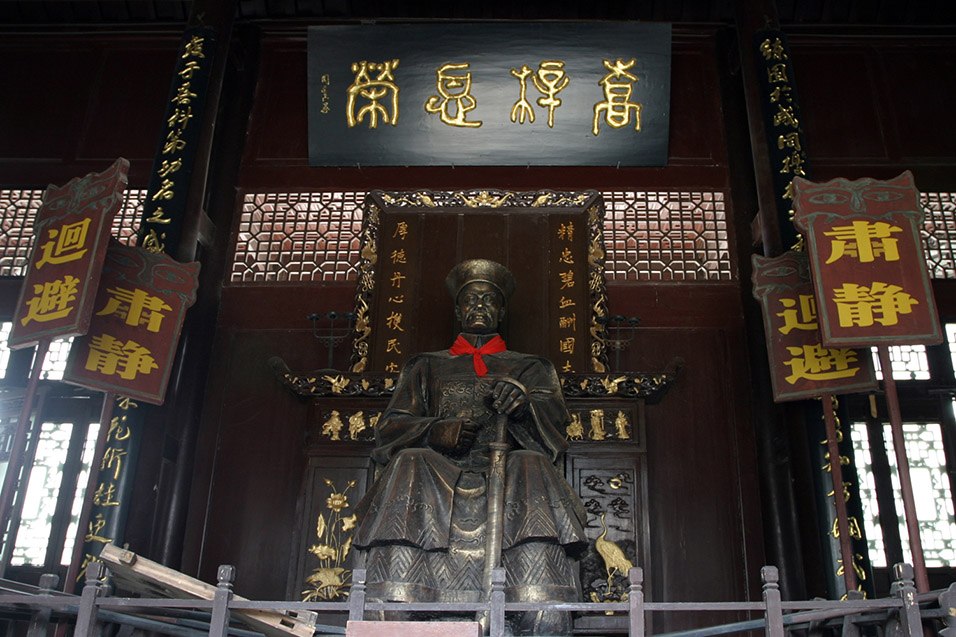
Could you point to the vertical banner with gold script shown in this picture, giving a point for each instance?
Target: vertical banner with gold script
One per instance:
(109, 495)
(164, 209)
(137, 319)
(786, 142)
(869, 272)
(72, 231)
(800, 366)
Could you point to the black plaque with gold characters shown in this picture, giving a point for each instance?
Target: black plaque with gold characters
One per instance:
(489, 94)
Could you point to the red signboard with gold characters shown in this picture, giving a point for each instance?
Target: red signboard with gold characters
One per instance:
(800, 366)
(869, 272)
(71, 232)
(137, 318)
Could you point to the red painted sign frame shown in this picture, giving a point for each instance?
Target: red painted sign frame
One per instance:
(71, 235)
(868, 267)
(800, 366)
(134, 332)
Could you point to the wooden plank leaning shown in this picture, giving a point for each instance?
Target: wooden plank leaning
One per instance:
(151, 579)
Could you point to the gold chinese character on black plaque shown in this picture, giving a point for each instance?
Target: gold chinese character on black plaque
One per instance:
(381, 87)
(454, 99)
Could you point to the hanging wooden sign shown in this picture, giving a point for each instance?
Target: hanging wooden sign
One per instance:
(800, 366)
(71, 233)
(139, 312)
(869, 272)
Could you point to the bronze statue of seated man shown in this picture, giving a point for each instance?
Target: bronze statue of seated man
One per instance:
(424, 524)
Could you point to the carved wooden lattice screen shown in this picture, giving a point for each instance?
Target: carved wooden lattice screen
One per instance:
(551, 241)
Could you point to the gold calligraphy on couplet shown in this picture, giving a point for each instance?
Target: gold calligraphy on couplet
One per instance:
(174, 145)
(786, 125)
(107, 495)
(853, 525)
(566, 307)
(397, 283)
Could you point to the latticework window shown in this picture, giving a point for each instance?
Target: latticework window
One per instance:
(308, 236)
(18, 209)
(939, 233)
(54, 363)
(315, 236)
(666, 236)
(650, 236)
(931, 491)
(17, 212)
(909, 362)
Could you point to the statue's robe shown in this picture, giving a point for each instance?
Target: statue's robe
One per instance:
(423, 521)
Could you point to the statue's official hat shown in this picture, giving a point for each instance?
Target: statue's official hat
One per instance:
(480, 270)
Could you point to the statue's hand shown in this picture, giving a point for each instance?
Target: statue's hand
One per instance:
(454, 435)
(509, 397)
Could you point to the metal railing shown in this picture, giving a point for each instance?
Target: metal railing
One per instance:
(902, 614)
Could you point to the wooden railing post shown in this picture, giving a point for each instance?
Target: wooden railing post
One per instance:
(850, 629)
(86, 625)
(219, 622)
(40, 622)
(497, 603)
(635, 600)
(947, 604)
(904, 588)
(771, 600)
(357, 596)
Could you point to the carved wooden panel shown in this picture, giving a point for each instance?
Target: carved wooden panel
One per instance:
(323, 559)
(345, 419)
(611, 479)
(597, 420)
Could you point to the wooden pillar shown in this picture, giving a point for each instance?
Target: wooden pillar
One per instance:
(182, 411)
(753, 187)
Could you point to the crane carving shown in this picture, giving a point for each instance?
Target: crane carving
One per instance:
(614, 559)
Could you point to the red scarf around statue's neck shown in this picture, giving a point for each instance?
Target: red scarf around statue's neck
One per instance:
(462, 346)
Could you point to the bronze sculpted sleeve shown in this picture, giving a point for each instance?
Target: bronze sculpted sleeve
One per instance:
(435, 386)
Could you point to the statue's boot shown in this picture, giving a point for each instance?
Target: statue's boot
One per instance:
(540, 572)
(546, 622)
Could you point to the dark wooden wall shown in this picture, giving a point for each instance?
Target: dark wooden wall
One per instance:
(75, 102)
(872, 106)
(703, 516)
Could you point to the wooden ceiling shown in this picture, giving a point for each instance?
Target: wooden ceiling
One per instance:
(790, 12)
